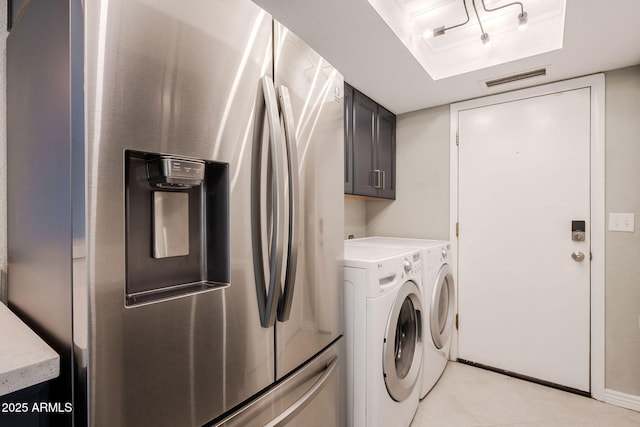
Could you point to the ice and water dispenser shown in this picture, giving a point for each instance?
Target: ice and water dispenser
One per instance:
(177, 226)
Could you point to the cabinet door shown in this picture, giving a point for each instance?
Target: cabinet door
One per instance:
(386, 152)
(364, 137)
(348, 139)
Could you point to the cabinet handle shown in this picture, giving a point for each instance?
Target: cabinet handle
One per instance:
(379, 179)
(376, 178)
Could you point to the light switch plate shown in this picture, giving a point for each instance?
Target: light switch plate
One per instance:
(621, 222)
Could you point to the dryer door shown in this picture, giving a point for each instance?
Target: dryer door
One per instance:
(442, 309)
(402, 352)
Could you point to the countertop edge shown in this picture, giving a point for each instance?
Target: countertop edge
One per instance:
(27, 360)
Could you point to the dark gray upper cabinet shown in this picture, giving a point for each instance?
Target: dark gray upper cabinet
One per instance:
(365, 113)
(386, 153)
(370, 144)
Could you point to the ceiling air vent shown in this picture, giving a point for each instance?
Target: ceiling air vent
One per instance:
(516, 77)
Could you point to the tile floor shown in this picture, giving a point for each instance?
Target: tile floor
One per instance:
(471, 397)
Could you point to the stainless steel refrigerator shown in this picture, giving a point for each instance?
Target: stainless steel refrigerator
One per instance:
(175, 211)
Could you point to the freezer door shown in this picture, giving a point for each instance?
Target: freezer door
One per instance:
(180, 78)
(309, 311)
(309, 398)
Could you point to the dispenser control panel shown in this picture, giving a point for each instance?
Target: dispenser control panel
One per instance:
(174, 172)
(184, 168)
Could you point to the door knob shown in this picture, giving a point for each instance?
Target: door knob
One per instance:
(577, 256)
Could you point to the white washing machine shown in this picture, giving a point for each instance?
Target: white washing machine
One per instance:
(383, 333)
(438, 296)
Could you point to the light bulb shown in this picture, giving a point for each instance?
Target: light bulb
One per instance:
(486, 40)
(523, 21)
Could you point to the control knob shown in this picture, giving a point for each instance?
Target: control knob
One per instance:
(407, 266)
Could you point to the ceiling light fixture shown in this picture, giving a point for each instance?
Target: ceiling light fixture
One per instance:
(523, 17)
(440, 30)
(486, 40)
(485, 36)
(421, 26)
(523, 21)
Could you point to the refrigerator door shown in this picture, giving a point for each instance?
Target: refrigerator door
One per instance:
(176, 78)
(309, 311)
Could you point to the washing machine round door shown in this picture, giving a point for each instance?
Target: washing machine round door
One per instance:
(442, 309)
(402, 352)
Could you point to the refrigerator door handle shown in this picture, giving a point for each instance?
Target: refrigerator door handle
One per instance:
(306, 398)
(266, 103)
(284, 308)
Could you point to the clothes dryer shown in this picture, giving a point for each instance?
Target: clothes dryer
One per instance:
(439, 296)
(439, 299)
(383, 331)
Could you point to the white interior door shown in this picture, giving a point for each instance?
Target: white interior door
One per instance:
(524, 176)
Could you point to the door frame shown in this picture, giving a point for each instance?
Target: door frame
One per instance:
(596, 84)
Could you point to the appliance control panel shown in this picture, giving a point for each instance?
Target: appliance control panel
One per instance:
(183, 168)
(175, 172)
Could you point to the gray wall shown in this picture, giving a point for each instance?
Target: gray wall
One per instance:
(355, 218)
(422, 209)
(623, 249)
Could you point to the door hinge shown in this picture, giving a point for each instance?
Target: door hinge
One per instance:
(457, 229)
(457, 138)
(590, 256)
(457, 322)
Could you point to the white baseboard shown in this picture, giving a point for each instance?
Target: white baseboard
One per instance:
(623, 400)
